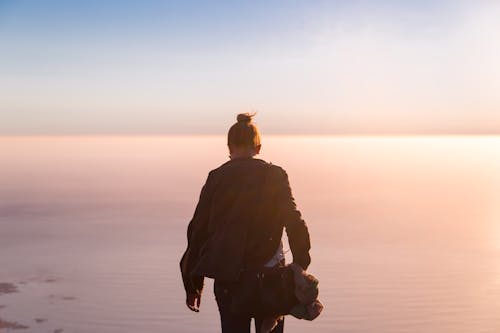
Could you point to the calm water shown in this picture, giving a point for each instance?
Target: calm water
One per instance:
(405, 231)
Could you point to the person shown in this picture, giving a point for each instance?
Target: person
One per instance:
(243, 208)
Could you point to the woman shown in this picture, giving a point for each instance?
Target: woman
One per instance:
(238, 222)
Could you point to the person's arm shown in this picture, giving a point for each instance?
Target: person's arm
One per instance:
(196, 235)
(296, 228)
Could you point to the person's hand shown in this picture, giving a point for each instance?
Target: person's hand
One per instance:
(193, 302)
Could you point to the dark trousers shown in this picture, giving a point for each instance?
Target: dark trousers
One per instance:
(230, 322)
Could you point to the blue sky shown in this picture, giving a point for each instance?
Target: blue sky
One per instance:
(307, 67)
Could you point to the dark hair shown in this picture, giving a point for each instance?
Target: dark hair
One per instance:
(244, 133)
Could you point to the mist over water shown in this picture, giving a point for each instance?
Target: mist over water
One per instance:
(405, 231)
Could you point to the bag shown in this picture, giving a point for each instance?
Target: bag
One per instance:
(264, 292)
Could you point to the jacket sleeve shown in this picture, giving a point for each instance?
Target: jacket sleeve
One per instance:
(296, 228)
(196, 236)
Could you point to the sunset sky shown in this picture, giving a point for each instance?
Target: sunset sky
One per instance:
(307, 67)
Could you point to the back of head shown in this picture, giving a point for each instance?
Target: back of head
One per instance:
(244, 132)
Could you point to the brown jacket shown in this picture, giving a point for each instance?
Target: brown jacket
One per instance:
(238, 222)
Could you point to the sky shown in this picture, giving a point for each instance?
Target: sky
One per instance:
(306, 67)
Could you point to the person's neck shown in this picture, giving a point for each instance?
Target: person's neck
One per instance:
(235, 156)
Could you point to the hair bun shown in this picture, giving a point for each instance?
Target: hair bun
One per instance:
(244, 117)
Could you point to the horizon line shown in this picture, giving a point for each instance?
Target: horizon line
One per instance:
(263, 135)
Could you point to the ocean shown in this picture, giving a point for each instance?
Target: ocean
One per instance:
(405, 231)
